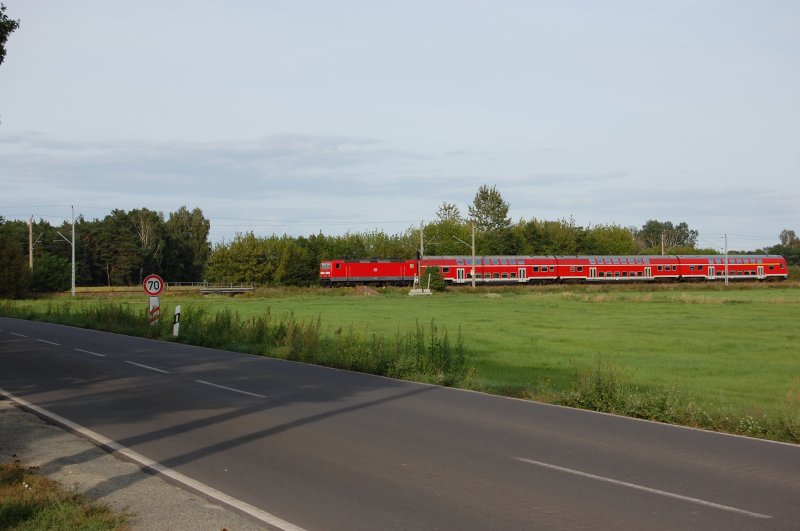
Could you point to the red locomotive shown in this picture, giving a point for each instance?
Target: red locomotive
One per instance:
(543, 269)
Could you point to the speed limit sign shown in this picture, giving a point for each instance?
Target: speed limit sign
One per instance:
(153, 285)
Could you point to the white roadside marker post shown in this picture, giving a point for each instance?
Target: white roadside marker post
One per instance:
(176, 321)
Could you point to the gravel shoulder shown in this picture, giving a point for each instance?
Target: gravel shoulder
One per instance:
(78, 463)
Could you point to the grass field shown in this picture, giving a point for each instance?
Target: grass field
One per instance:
(729, 349)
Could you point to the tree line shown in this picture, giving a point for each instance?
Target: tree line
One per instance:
(125, 246)
(118, 250)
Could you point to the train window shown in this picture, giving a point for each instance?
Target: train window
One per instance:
(591, 260)
(616, 273)
(700, 267)
(497, 275)
(646, 260)
(459, 261)
(660, 268)
(520, 261)
(338, 266)
(513, 275)
(572, 269)
(505, 275)
(445, 270)
(691, 268)
(616, 260)
(580, 268)
(624, 273)
(552, 268)
(495, 261)
(674, 268)
(638, 273)
(535, 269)
(772, 268)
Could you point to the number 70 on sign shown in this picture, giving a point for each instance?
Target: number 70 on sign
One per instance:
(153, 285)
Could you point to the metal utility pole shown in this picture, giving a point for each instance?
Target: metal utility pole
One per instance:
(73, 249)
(662, 243)
(30, 243)
(473, 254)
(726, 259)
(421, 244)
(473, 251)
(72, 243)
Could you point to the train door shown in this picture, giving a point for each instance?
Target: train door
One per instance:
(712, 272)
(460, 274)
(648, 272)
(761, 272)
(521, 274)
(592, 273)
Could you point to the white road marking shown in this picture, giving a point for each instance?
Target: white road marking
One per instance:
(204, 489)
(49, 342)
(18, 335)
(147, 367)
(90, 352)
(643, 488)
(248, 393)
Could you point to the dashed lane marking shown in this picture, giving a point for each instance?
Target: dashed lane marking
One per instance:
(18, 335)
(49, 342)
(90, 352)
(645, 489)
(146, 367)
(248, 393)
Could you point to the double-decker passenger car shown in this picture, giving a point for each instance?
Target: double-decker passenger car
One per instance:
(541, 269)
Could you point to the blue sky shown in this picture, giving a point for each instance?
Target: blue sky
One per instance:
(295, 116)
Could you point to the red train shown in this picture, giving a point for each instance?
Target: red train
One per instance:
(544, 269)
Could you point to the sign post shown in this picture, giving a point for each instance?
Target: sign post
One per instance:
(153, 286)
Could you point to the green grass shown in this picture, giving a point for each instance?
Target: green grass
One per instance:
(731, 351)
(737, 347)
(29, 501)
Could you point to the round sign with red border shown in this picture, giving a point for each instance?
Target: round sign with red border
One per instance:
(153, 285)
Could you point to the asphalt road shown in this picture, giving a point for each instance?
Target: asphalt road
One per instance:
(325, 449)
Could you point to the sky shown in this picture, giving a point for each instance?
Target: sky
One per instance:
(300, 117)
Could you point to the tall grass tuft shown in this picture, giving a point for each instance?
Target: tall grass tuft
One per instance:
(603, 388)
(423, 354)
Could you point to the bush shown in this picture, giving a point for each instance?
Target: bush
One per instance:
(433, 277)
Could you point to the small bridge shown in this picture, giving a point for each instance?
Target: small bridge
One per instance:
(207, 288)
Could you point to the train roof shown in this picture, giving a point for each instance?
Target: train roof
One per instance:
(490, 256)
(366, 260)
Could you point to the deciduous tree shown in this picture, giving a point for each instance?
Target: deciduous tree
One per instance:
(7, 27)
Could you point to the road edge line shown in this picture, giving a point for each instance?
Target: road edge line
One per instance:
(157, 468)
